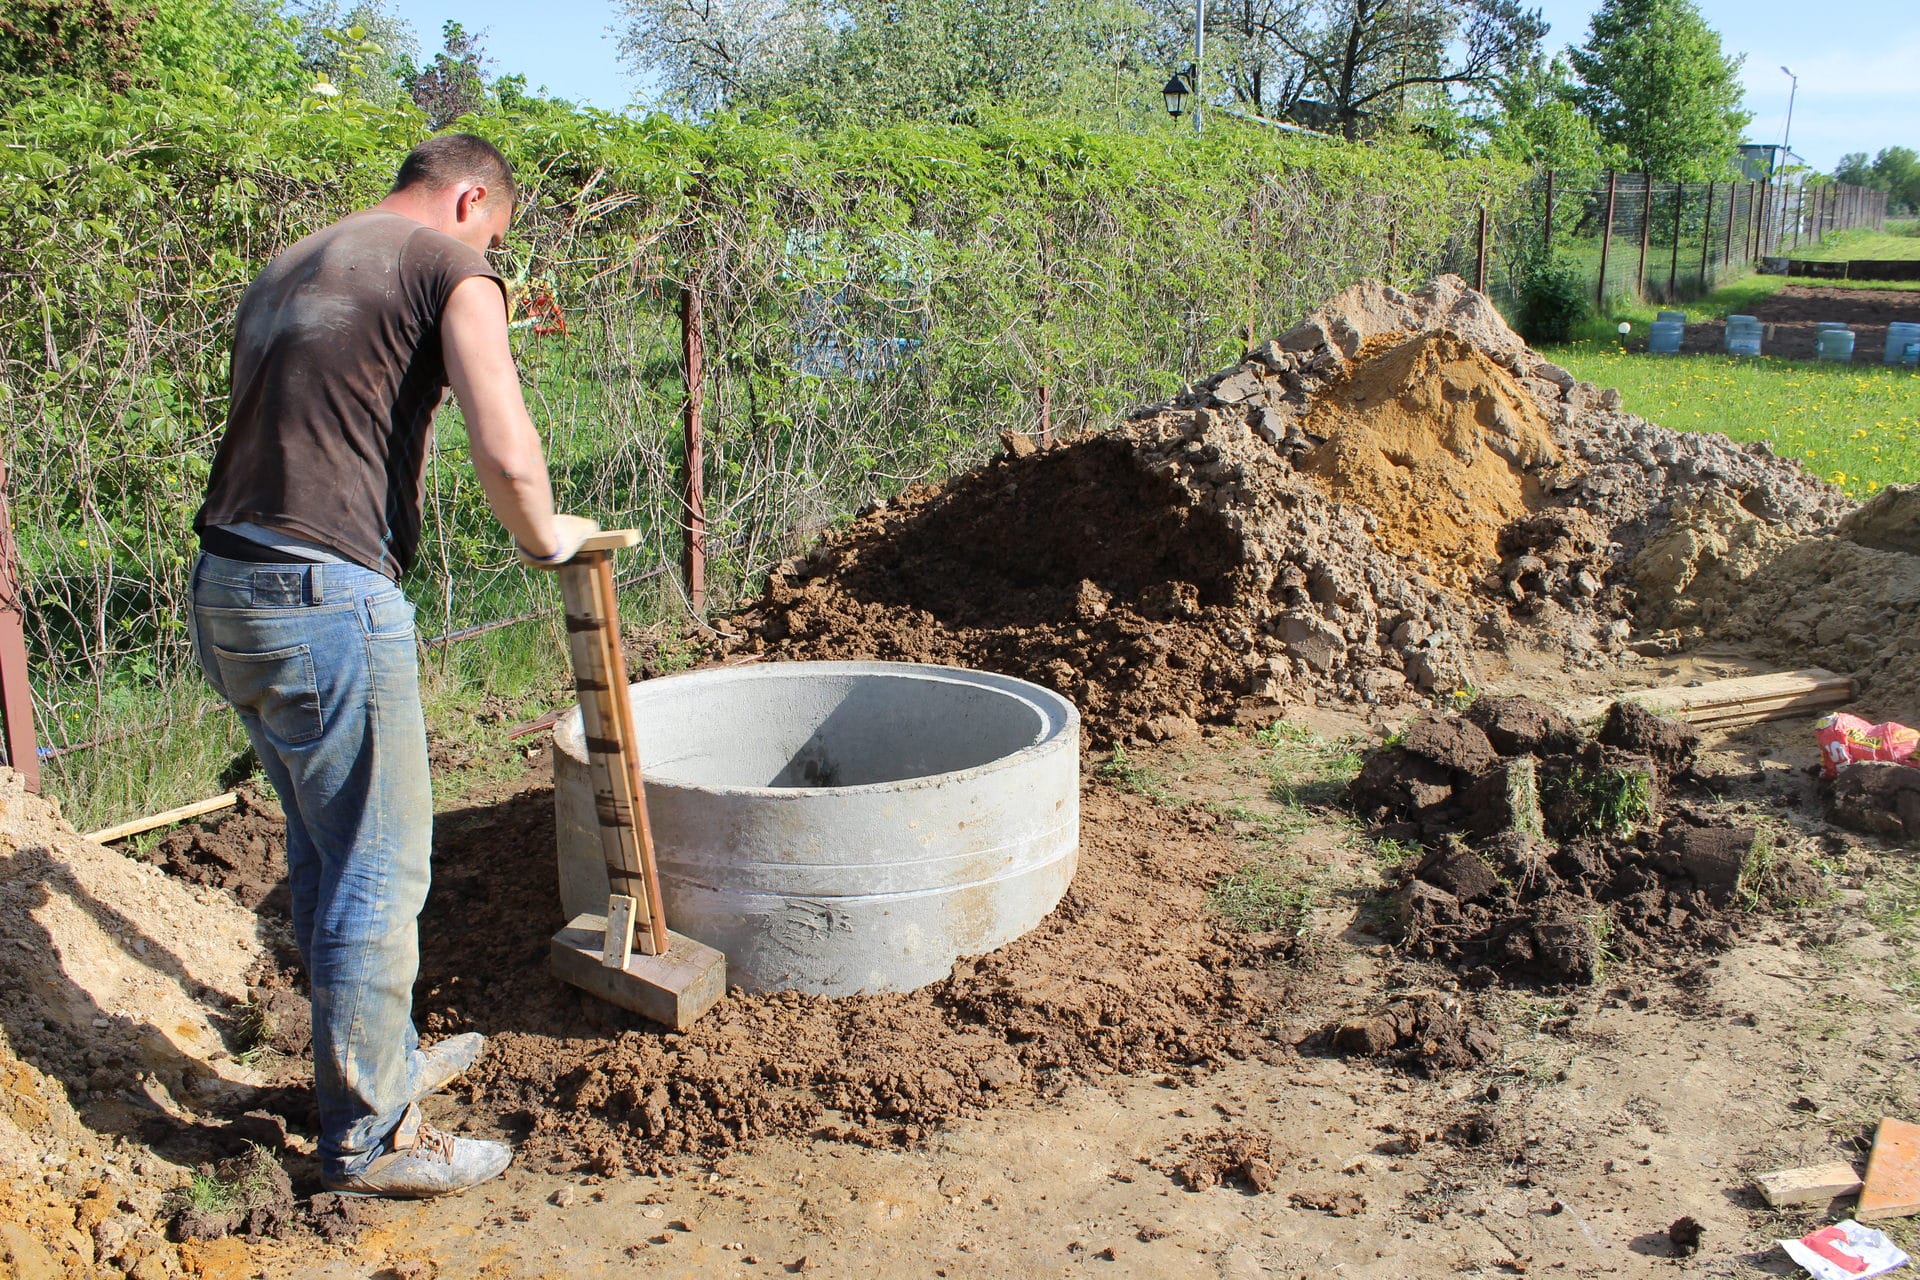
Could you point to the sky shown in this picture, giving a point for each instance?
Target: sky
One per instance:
(1859, 79)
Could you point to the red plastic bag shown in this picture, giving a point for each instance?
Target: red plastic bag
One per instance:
(1844, 738)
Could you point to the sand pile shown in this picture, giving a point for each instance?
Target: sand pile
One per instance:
(1353, 511)
(117, 983)
(1550, 852)
(1847, 599)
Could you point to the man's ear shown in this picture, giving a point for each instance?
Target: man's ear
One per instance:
(467, 204)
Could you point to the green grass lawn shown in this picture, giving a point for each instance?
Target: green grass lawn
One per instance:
(1899, 240)
(1857, 425)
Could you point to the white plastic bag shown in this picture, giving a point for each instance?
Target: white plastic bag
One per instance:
(1845, 1251)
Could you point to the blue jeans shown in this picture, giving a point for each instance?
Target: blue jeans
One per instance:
(319, 661)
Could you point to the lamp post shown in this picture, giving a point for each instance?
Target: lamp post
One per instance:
(1786, 138)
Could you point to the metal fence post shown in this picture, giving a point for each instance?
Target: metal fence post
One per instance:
(1646, 226)
(16, 693)
(1733, 203)
(1480, 254)
(1706, 239)
(1606, 243)
(693, 352)
(1673, 265)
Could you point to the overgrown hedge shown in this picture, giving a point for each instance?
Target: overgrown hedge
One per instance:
(880, 305)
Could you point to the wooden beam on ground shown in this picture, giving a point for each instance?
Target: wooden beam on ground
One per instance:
(107, 835)
(1816, 1184)
(1724, 704)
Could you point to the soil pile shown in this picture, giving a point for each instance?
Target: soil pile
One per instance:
(1847, 600)
(1132, 973)
(1437, 441)
(1550, 852)
(117, 985)
(1352, 511)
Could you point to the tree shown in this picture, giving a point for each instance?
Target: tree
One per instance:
(718, 53)
(1896, 171)
(1536, 123)
(1655, 83)
(454, 84)
(1363, 58)
(363, 48)
(95, 40)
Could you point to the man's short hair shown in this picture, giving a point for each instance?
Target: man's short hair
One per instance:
(438, 163)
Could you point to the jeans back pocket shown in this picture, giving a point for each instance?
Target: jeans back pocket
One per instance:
(278, 686)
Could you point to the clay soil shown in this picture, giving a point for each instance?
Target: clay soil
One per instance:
(1796, 311)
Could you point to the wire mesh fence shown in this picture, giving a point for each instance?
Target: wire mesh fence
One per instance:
(1633, 238)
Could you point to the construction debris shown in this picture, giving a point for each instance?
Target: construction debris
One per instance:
(1892, 1185)
(1815, 1184)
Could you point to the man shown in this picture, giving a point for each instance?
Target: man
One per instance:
(343, 349)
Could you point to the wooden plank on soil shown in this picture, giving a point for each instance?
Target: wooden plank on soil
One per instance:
(1815, 1184)
(1893, 1173)
(107, 835)
(1720, 704)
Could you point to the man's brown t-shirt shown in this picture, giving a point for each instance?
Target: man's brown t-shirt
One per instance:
(337, 370)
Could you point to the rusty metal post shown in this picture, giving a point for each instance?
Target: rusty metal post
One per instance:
(1646, 227)
(1480, 254)
(16, 693)
(1673, 266)
(1752, 239)
(1606, 243)
(1706, 238)
(693, 501)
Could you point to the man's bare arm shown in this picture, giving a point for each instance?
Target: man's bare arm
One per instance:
(506, 448)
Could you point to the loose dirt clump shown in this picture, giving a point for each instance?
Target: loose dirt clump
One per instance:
(1224, 1158)
(243, 852)
(1356, 511)
(1548, 855)
(1424, 1035)
(249, 1196)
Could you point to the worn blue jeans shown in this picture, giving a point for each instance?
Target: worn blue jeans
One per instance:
(319, 661)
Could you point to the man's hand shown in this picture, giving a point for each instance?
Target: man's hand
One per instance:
(571, 532)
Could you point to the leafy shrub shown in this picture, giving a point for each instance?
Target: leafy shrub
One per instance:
(1553, 301)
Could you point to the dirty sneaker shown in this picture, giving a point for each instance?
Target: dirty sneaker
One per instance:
(423, 1162)
(447, 1061)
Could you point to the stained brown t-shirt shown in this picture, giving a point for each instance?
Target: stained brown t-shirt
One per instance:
(337, 371)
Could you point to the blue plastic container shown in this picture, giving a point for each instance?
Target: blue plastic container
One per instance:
(1664, 338)
(1901, 335)
(1834, 344)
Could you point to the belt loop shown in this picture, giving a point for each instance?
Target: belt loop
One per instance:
(316, 585)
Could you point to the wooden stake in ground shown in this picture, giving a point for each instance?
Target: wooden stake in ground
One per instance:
(596, 953)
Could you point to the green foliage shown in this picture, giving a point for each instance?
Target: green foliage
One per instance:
(454, 84)
(1554, 299)
(94, 40)
(1267, 895)
(1536, 121)
(1602, 801)
(1894, 170)
(1656, 84)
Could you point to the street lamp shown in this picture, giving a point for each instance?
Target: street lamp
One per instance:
(1177, 91)
(1786, 139)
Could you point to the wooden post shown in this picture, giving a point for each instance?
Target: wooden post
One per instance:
(1646, 227)
(1546, 226)
(1606, 243)
(16, 693)
(1673, 265)
(693, 501)
(613, 760)
(1046, 415)
(1480, 254)
(1706, 238)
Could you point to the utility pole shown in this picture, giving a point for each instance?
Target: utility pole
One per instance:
(1786, 138)
(1199, 55)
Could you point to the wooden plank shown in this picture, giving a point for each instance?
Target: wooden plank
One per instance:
(1815, 1184)
(616, 949)
(1892, 1187)
(106, 835)
(1742, 700)
(595, 680)
(655, 921)
(611, 540)
(673, 988)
